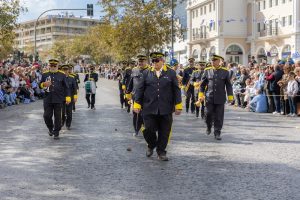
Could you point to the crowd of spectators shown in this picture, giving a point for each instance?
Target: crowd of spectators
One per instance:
(267, 88)
(19, 84)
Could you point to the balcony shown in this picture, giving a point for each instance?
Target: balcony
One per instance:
(199, 36)
(268, 32)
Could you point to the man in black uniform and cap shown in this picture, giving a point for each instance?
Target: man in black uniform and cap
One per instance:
(195, 81)
(125, 83)
(215, 84)
(77, 79)
(54, 82)
(188, 88)
(131, 88)
(72, 87)
(90, 81)
(158, 95)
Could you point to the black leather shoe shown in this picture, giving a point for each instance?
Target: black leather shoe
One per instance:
(68, 128)
(50, 133)
(89, 105)
(149, 152)
(218, 137)
(163, 157)
(56, 137)
(208, 131)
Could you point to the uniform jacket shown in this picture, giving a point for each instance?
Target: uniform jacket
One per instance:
(126, 77)
(77, 79)
(158, 96)
(136, 75)
(215, 83)
(187, 72)
(71, 81)
(196, 76)
(57, 92)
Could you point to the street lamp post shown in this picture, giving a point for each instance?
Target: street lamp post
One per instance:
(35, 24)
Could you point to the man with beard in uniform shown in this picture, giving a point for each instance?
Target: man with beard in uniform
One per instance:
(67, 108)
(90, 80)
(131, 88)
(158, 95)
(77, 80)
(54, 82)
(215, 84)
(195, 81)
(125, 82)
(188, 88)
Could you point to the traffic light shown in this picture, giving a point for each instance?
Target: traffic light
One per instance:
(90, 10)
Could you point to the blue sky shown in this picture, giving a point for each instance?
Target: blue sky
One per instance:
(36, 7)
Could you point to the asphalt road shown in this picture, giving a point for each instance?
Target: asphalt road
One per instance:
(258, 158)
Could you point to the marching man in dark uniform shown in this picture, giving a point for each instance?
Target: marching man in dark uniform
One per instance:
(188, 88)
(195, 81)
(90, 81)
(215, 84)
(77, 79)
(131, 88)
(54, 82)
(72, 87)
(158, 95)
(120, 74)
(125, 83)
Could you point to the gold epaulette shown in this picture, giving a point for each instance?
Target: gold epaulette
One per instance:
(224, 68)
(197, 70)
(46, 72)
(61, 71)
(72, 76)
(207, 68)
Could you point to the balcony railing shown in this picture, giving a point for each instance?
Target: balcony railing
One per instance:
(268, 32)
(199, 36)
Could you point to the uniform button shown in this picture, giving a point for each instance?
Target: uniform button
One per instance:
(157, 89)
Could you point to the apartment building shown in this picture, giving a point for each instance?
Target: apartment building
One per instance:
(49, 29)
(237, 30)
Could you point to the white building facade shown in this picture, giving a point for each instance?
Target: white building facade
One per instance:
(240, 29)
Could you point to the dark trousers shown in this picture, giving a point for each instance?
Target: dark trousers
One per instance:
(49, 110)
(122, 100)
(215, 114)
(162, 124)
(190, 99)
(90, 98)
(67, 114)
(137, 121)
(276, 99)
(127, 105)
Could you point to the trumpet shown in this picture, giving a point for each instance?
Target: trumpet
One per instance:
(47, 80)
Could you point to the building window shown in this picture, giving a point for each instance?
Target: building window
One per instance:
(197, 13)
(201, 11)
(290, 20)
(258, 27)
(214, 6)
(264, 5)
(276, 2)
(209, 7)
(258, 5)
(204, 10)
(270, 3)
(283, 22)
(283, 1)
(193, 14)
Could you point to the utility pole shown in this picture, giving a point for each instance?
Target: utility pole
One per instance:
(172, 30)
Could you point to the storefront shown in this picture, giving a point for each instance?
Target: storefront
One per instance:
(234, 54)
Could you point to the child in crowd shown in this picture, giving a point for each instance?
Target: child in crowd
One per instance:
(292, 90)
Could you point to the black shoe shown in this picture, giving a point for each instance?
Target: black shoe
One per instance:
(50, 133)
(197, 115)
(208, 131)
(149, 152)
(93, 108)
(89, 105)
(218, 137)
(56, 137)
(68, 128)
(163, 157)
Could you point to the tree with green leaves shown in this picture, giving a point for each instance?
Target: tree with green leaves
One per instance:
(9, 12)
(140, 26)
